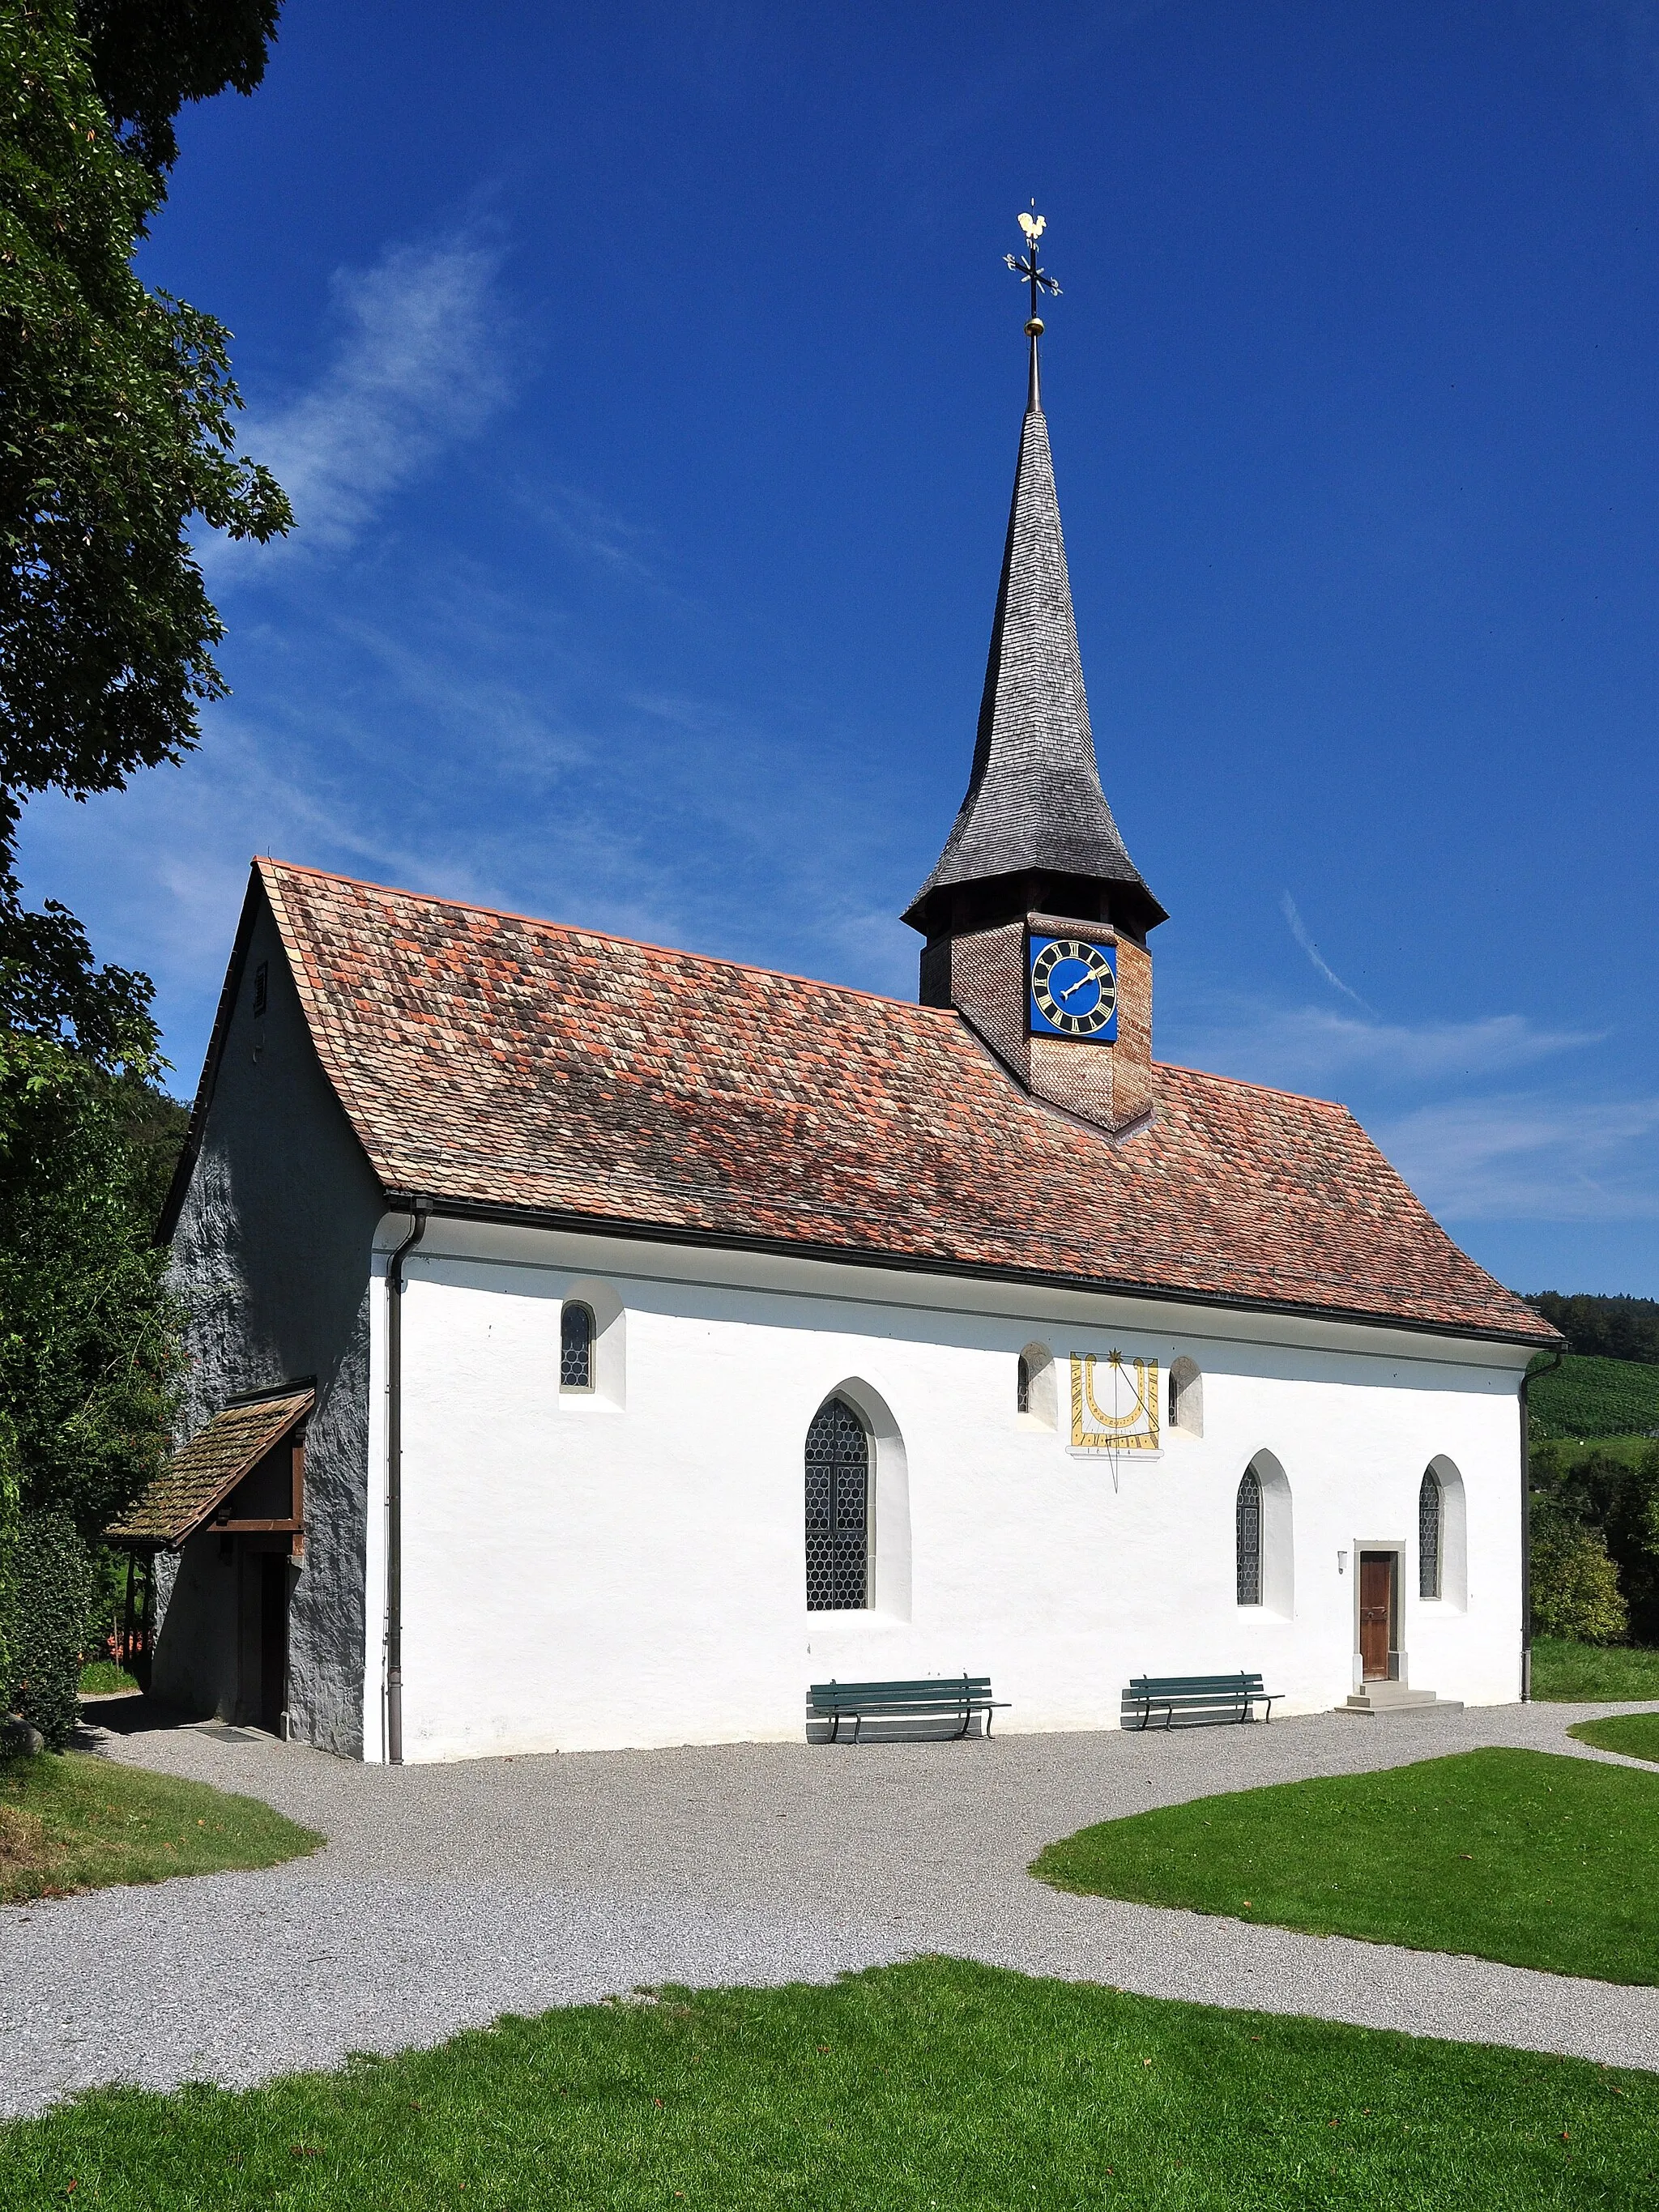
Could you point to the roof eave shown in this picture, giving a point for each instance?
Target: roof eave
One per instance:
(401, 1199)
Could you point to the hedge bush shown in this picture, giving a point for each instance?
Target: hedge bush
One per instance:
(51, 1592)
(9, 1518)
(1575, 1585)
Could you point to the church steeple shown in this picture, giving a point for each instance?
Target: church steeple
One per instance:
(1035, 828)
(1035, 870)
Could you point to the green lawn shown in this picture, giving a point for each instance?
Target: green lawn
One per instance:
(933, 2084)
(1569, 1452)
(1528, 1856)
(104, 1677)
(75, 1822)
(1636, 1734)
(1566, 1672)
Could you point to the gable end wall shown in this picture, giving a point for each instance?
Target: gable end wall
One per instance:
(271, 1256)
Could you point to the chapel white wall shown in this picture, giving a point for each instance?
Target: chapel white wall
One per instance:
(628, 1569)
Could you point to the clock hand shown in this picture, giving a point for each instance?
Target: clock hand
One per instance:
(1085, 977)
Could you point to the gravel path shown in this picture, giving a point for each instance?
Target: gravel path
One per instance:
(450, 1894)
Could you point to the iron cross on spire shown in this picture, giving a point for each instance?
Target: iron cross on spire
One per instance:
(1030, 269)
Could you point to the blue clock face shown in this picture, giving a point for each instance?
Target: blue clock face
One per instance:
(1073, 989)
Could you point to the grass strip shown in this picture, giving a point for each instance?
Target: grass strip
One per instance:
(1636, 1734)
(72, 1822)
(1565, 1673)
(105, 1679)
(1528, 1856)
(935, 2083)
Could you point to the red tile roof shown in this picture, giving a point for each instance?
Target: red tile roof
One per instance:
(488, 1060)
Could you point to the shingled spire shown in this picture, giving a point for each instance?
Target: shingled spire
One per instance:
(1034, 880)
(1035, 829)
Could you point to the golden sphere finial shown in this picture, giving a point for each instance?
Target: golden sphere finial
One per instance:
(1034, 328)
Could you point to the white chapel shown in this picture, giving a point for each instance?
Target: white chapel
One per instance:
(596, 1344)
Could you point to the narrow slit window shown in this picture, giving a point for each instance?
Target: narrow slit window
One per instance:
(576, 1347)
(1428, 1535)
(1248, 1539)
(1023, 1386)
(261, 988)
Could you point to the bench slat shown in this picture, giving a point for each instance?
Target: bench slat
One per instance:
(960, 1698)
(1198, 1697)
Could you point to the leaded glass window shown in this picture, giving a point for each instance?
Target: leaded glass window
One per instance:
(837, 1509)
(1023, 1386)
(1248, 1521)
(576, 1347)
(1428, 1535)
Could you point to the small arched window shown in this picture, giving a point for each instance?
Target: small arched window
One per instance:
(1034, 1388)
(1248, 1538)
(1429, 1519)
(1186, 1396)
(575, 1346)
(837, 1509)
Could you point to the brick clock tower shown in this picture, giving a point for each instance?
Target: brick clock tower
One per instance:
(1035, 917)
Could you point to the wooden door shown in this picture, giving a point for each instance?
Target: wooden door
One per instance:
(273, 1640)
(1376, 1613)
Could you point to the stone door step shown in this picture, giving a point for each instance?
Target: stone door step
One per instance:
(1395, 1697)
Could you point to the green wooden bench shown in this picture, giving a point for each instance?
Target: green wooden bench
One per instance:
(1199, 1698)
(951, 1698)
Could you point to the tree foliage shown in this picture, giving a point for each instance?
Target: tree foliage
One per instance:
(1616, 1501)
(116, 436)
(116, 432)
(88, 1333)
(1605, 1328)
(1574, 1585)
(150, 57)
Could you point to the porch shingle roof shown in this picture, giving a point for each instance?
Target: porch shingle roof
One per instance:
(202, 1473)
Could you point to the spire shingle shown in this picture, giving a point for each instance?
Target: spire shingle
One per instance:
(1035, 806)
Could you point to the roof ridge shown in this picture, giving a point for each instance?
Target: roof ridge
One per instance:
(262, 860)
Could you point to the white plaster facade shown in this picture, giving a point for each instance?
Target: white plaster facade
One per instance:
(627, 1567)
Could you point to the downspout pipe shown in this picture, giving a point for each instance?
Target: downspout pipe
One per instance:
(1525, 1527)
(421, 1209)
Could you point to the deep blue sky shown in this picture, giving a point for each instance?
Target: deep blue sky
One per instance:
(648, 382)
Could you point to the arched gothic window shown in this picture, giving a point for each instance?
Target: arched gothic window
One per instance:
(575, 1346)
(1023, 1386)
(1248, 1538)
(837, 1509)
(1429, 1518)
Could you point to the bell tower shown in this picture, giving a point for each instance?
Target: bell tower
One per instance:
(1034, 916)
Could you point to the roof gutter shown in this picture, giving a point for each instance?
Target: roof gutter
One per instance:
(785, 1248)
(1556, 1359)
(421, 1209)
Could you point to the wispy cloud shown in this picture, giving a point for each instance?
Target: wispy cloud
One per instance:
(1530, 1158)
(1322, 966)
(1317, 1046)
(600, 533)
(419, 364)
